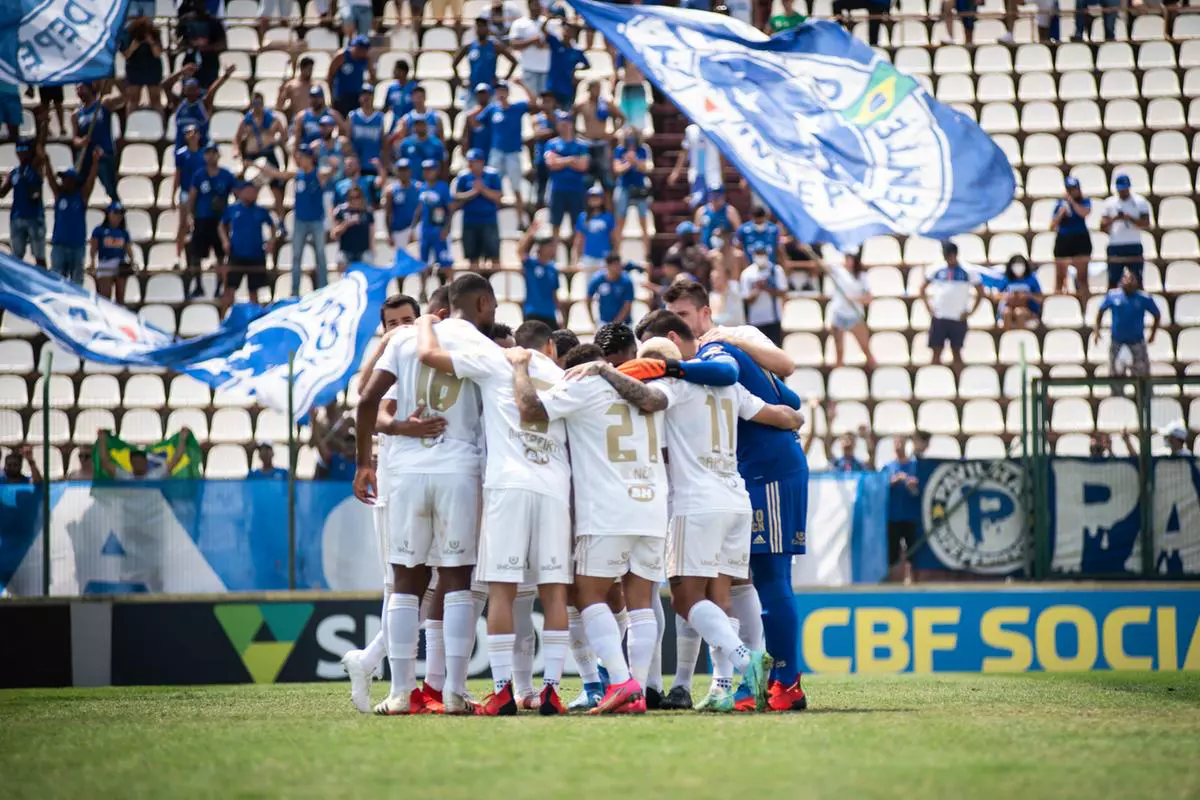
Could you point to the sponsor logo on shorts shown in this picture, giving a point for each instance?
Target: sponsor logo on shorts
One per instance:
(758, 525)
(759, 539)
(513, 564)
(403, 547)
(453, 547)
(553, 565)
(714, 562)
(798, 538)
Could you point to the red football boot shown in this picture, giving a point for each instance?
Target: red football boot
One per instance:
(432, 700)
(498, 704)
(786, 698)
(416, 703)
(549, 703)
(618, 695)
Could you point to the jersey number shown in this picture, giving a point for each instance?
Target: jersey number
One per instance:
(624, 427)
(725, 405)
(437, 390)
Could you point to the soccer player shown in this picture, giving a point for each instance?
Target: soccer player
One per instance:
(621, 508)
(708, 545)
(433, 514)
(776, 474)
(526, 520)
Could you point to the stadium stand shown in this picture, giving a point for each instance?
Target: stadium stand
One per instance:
(1089, 110)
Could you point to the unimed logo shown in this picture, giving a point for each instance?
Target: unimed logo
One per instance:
(263, 635)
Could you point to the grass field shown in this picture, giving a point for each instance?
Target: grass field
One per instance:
(1087, 736)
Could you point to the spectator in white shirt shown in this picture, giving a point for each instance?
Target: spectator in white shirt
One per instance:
(525, 38)
(947, 295)
(725, 297)
(847, 307)
(1126, 215)
(703, 162)
(764, 284)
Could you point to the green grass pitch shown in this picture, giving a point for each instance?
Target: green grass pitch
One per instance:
(1086, 736)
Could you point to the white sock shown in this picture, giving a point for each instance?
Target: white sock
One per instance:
(458, 631)
(722, 666)
(655, 680)
(526, 643)
(581, 651)
(427, 602)
(410, 679)
(687, 650)
(435, 654)
(622, 622)
(402, 641)
(643, 633)
(711, 623)
(554, 656)
(376, 649)
(747, 608)
(500, 653)
(478, 603)
(605, 639)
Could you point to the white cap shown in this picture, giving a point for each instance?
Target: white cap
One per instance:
(1174, 430)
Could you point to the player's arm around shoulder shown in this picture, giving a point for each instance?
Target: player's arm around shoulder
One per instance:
(429, 348)
(529, 405)
(775, 415)
(643, 396)
(755, 344)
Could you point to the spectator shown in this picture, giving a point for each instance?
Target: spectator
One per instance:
(500, 16)
(27, 218)
(435, 201)
(801, 263)
(12, 467)
(331, 147)
(420, 146)
(69, 241)
(11, 115)
(111, 252)
(193, 106)
(1072, 242)
(847, 307)
(564, 342)
(354, 177)
(399, 93)
(1083, 20)
(725, 298)
(612, 290)
(691, 257)
(140, 465)
(261, 131)
(629, 87)
(846, 460)
(141, 45)
(787, 20)
(50, 97)
(354, 228)
(295, 95)
(631, 163)
(904, 504)
(877, 11)
(207, 200)
(477, 191)
(308, 226)
(347, 72)
(274, 13)
(356, 18)
(1047, 20)
(1127, 352)
(268, 471)
(1100, 444)
(505, 118)
(242, 239)
(86, 471)
(598, 113)
(478, 127)
(420, 110)
(544, 129)
(1021, 298)
(1126, 215)
(764, 284)
(483, 55)
(93, 136)
(1174, 435)
(568, 162)
(189, 160)
(595, 233)
(335, 447)
(541, 277)
(307, 123)
(565, 58)
(401, 203)
(760, 230)
(703, 162)
(438, 9)
(673, 271)
(947, 295)
(966, 12)
(202, 39)
(717, 221)
(526, 39)
(366, 132)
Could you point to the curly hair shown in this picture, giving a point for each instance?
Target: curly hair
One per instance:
(614, 337)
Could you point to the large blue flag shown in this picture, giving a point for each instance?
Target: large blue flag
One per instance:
(838, 143)
(327, 331)
(54, 42)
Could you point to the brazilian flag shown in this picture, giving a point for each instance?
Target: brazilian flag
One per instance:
(188, 466)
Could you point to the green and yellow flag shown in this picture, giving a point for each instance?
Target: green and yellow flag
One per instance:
(188, 466)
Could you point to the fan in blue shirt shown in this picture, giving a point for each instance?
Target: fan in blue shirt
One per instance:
(565, 58)
(211, 184)
(759, 230)
(478, 209)
(482, 55)
(541, 277)
(421, 146)
(347, 72)
(242, 234)
(1020, 299)
(401, 204)
(613, 289)
(110, 249)
(594, 231)
(434, 207)
(399, 92)
(505, 121)
(366, 132)
(479, 125)
(354, 227)
(1129, 308)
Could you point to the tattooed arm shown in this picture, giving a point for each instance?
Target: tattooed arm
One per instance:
(632, 391)
(525, 393)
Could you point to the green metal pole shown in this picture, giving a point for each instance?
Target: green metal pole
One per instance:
(47, 363)
(1027, 481)
(291, 518)
(1146, 469)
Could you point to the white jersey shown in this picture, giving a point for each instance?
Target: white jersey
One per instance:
(702, 445)
(616, 456)
(456, 450)
(531, 456)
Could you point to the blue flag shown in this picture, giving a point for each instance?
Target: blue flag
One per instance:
(835, 140)
(327, 331)
(53, 42)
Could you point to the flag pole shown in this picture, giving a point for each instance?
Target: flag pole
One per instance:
(47, 363)
(291, 517)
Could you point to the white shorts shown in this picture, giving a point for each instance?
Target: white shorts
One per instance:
(614, 556)
(434, 520)
(526, 538)
(402, 239)
(709, 544)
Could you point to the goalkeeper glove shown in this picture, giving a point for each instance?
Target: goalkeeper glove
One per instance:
(648, 369)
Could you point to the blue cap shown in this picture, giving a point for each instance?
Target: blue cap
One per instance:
(367, 88)
(596, 191)
(69, 172)
(191, 127)
(562, 116)
(482, 87)
(189, 82)
(114, 206)
(687, 226)
(716, 190)
(501, 84)
(474, 154)
(402, 163)
(212, 146)
(1071, 182)
(429, 163)
(316, 91)
(327, 119)
(360, 41)
(1123, 182)
(24, 146)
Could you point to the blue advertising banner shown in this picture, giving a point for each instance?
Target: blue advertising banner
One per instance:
(1001, 630)
(972, 517)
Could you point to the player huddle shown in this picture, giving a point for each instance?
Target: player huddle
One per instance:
(606, 470)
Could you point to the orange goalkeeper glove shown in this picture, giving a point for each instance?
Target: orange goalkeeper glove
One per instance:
(648, 369)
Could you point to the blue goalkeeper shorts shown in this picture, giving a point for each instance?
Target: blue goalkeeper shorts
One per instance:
(780, 515)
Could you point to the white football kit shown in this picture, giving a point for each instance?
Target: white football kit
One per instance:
(620, 479)
(434, 494)
(710, 524)
(527, 525)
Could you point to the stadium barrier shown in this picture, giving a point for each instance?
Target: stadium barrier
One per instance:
(301, 636)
